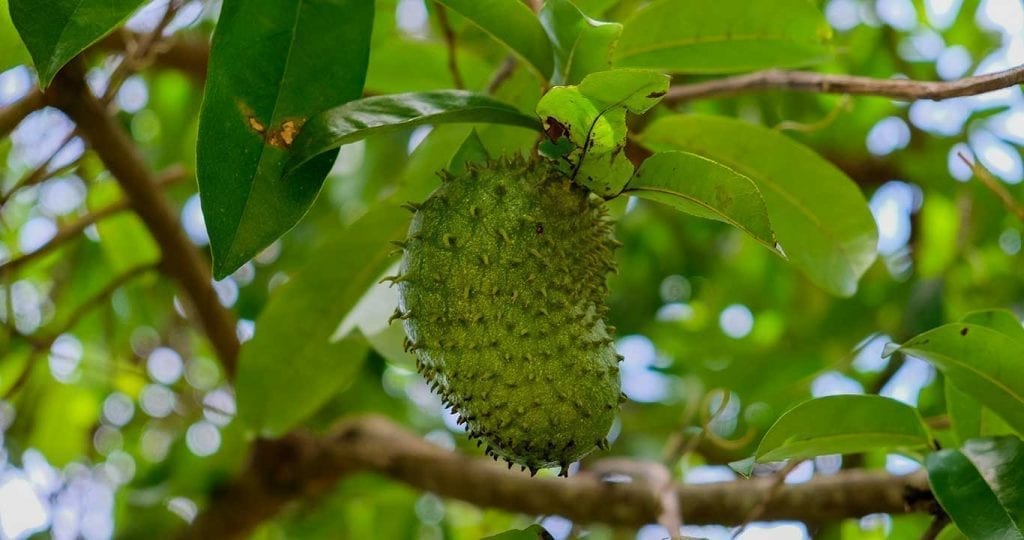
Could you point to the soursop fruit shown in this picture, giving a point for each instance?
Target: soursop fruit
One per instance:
(502, 294)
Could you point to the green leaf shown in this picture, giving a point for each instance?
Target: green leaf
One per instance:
(723, 36)
(533, 532)
(359, 119)
(635, 89)
(57, 32)
(965, 413)
(819, 215)
(592, 116)
(513, 24)
(15, 52)
(470, 151)
(981, 486)
(984, 363)
(272, 65)
(582, 45)
(843, 425)
(701, 187)
(1000, 320)
(291, 368)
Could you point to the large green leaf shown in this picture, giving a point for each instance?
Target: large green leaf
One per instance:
(272, 65)
(582, 45)
(701, 187)
(291, 367)
(843, 425)
(723, 36)
(981, 486)
(57, 31)
(587, 123)
(819, 215)
(1000, 320)
(14, 51)
(983, 362)
(360, 119)
(513, 24)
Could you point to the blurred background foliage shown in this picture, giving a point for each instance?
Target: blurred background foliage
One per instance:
(121, 423)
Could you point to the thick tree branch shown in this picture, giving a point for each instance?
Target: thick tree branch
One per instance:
(13, 114)
(180, 259)
(301, 466)
(807, 81)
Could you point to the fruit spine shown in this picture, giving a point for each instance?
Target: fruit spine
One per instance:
(502, 295)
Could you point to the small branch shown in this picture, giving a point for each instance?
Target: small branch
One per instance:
(778, 480)
(936, 526)
(140, 53)
(13, 114)
(75, 228)
(449, 39)
(995, 186)
(303, 466)
(502, 75)
(185, 53)
(180, 259)
(807, 81)
(41, 344)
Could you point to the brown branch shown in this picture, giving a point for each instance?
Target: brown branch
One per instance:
(180, 259)
(187, 53)
(13, 114)
(985, 177)
(807, 81)
(41, 344)
(302, 466)
(75, 228)
(449, 39)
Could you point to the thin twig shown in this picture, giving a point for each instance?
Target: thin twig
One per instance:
(824, 83)
(936, 526)
(42, 172)
(13, 114)
(502, 75)
(778, 480)
(996, 187)
(75, 228)
(450, 41)
(140, 54)
(41, 344)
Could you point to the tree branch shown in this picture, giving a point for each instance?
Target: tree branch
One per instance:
(75, 228)
(807, 81)
(302, 466)
(180, 259)
(189, 54)
(13, 114)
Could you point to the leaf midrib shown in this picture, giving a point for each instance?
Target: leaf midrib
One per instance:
(270, 122)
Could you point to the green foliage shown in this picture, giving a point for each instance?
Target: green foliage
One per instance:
(586, 124)
(982, 361)
(581, 45)
(287, 372)
(817, 212)
(981, 486)
(843, 425)
(723, 36)
(262, 87)
(513, 24)
(57, 33)
(361, 118)
(301, 168)
(699, 186)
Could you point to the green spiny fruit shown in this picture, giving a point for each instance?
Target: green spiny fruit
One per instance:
(502, 293)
